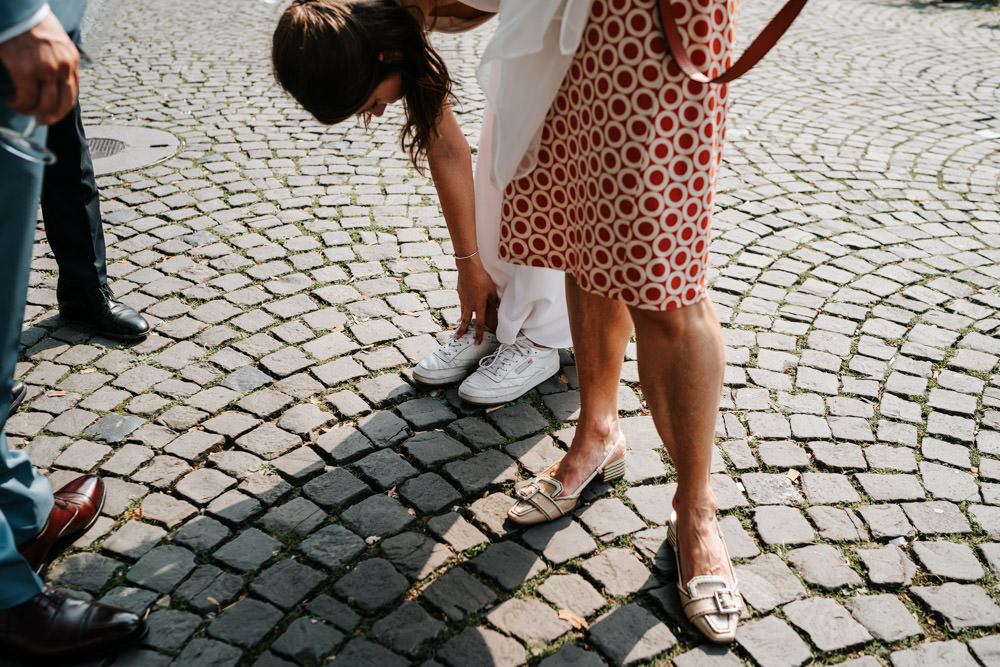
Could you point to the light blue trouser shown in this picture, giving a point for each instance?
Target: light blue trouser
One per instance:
(25, 495)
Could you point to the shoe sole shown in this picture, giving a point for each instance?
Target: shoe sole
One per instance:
(61, 545)
(506, 398)
(17, 399)
(80, 319)
(440, 381)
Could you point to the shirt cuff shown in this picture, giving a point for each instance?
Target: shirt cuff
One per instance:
(24, 26)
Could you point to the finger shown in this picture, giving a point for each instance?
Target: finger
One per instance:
(63, 104)
(48, 102)
(464, 324)
(26, 92)
(480, 325)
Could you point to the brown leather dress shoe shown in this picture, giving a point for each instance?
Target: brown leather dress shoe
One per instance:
(53, 628)
(77, 506)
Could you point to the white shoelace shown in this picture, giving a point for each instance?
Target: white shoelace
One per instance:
(499, 363)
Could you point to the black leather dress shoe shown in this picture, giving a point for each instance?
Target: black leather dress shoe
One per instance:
(99, 310)
(53, 628)
(77, 506)
(17, 394)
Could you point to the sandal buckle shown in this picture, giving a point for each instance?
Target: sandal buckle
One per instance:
(725, 601)
(521, 493)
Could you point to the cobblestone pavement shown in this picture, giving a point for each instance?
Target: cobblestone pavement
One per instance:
(280, 492)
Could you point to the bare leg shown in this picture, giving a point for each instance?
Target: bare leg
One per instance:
(601, 328)
(681, 365)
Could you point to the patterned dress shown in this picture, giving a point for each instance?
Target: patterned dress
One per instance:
(622, 194)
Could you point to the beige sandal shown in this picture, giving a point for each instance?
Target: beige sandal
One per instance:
(540, 499)
(710, 602)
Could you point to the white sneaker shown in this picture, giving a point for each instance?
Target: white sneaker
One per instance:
(455, 359)
(511, 371)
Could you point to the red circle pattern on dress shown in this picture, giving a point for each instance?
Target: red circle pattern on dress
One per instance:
(621, 196)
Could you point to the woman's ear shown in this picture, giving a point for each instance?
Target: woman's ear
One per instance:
(390, 57)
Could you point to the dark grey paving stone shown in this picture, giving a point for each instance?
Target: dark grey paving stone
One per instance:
(425, 413)
(766, 582)
(295, 518)
(363, 653)
(509, 564)
(560, 540)
(962, 605)
(531, 621)
(209, 652)
(952, 653)
(336, 488)
(408, 629)
(134, 539)
(433, 447)
(885, 617)
(476, 432)
(162, 568)
(571, 655)
(415, 555)
(457, 594)
(246, 379)
(333, 547)
(630, 635)
(136, 600)
(245, 623)
(385, 468)
(829, 625)
(235, 507)
(268, 441)
(113, 428)
(772, 642)
(170, 628)
(344, 443)
(209, 589)
(482, 470)
(377, 515)
(307, 641)
(372, 584)
(334, 612)
(949, 560)
(251, 549)
(429, 493)
(384, 429)
(481, 646)
(286, 583)
(518, 420)
(201, 532)
(708, 655)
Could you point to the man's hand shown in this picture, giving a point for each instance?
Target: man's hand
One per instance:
(43, 64)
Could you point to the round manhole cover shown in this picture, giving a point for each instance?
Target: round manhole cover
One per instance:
(102, 147)
(116, 148)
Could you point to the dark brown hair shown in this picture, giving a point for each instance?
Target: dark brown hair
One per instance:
(326, 54)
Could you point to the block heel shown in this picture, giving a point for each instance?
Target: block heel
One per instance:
(615, 470)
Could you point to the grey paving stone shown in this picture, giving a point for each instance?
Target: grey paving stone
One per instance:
(772, 642)
(193, 444)
(162, 568)
(891, 488)
(531, 621)
(457, 594)
(482, 470)
(456, 531)
(619, 572)
(134, 539)
(203, 485)
(508, 563)
(936, 517)
(424, 413)
(268, 441)
(245, 623)
(384, 389)
(114, 428)
(307, 641)
(952, 653)
(828, 488)
(408, 629)
(573, 592)
(839, 456)
(884, 616)
(334, 612)
(837, 524)
(433, 447)
(829, 625)
(475, 432)
(886, 521)
(428, 492)
(333, 547)
(136, 600)
(235, 507)
(209, 589)
(344, 443)
(518, 420)
(383, 429)
(779, 524)
(201, 532)
(336, 488)
(653, 501)
(385, 468)
(610, 518)
(888, 565)
(371, 584)
(770, 489)
(491, 513)
(784, 454)
(248, 551)
(988, 518)
(949, 560)
(377, 515)
(630, 635)
(987, 649)
(962, 605)
(823, 565)
(286, 583)
(162, 471)
(766, 582)
(481, 646)
(708, 655)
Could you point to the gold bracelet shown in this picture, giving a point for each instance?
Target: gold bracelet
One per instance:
(469, 256)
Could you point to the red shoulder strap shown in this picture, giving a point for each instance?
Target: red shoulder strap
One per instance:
(767, 38)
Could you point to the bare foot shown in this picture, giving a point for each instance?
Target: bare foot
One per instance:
(583, 458)
(702, 551)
